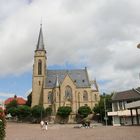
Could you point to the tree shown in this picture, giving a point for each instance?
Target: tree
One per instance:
(99, 108)
(11, 108)
(64, 111)
(13, 111)
(84, 111)
(29, 99)
(48, 111)
(38, 112)
(12, 104)
(23, 112)
(2, 124)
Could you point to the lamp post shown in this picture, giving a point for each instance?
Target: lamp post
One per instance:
(41, 115)
(138, 46)
(105, 109)
(41, 112)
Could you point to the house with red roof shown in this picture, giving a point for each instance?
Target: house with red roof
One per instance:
(20, 100)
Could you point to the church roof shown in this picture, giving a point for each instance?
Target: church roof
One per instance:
(40, 43)
(133, 94)
(79, 77)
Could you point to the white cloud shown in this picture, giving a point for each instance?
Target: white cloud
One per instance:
(6, 94)
(28, 92)
(99, 34)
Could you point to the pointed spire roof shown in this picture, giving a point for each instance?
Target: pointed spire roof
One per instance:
(40, 43)
(57, 83)
(96, 86)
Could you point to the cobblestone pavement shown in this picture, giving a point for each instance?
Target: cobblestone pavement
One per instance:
(22, 131)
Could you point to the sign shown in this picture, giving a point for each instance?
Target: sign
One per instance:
(105, 118)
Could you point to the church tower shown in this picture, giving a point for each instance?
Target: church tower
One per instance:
(39, 71)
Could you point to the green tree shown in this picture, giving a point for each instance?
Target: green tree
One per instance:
(12, 104)
(64, 112)
(11, 108)
(38, 112)
(23, 112)
(29, 99)
(2, 125)
(99, 108)
(13, 111)
(48, 111)
(84, 111)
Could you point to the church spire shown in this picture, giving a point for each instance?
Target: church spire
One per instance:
(40, 43)
(57, 83)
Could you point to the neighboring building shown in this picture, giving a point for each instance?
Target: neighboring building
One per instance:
(55, 88)
(20, 100)
(126, 107)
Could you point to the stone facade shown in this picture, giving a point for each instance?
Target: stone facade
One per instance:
(55, 88)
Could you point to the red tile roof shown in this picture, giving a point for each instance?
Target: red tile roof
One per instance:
(20, 100)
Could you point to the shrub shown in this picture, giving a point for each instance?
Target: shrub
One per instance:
(23, 112)
(48, 111)
(38, 112)
(64, 111)
(84, 111)
(13, 111)
(2, 125)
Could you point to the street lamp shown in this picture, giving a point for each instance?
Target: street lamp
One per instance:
(138, 46)
(41, 115)
(105, 109)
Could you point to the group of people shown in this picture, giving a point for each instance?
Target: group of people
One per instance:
(86, 124)
(44, 125)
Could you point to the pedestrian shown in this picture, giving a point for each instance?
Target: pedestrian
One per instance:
(42, 124)
(46, 125)
(88, 124)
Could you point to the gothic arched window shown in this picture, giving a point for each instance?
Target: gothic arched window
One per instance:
(39, 67)
(85, 96)
(68, 93)
(50, 97)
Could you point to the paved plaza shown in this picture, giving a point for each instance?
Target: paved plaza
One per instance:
(23, 131)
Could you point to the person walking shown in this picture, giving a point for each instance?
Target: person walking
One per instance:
(42, 124)
(46, 125)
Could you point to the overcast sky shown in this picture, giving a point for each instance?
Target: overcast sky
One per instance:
(99, 34)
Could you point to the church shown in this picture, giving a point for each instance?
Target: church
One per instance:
(55, 88)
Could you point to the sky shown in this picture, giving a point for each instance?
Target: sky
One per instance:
(99, 34)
